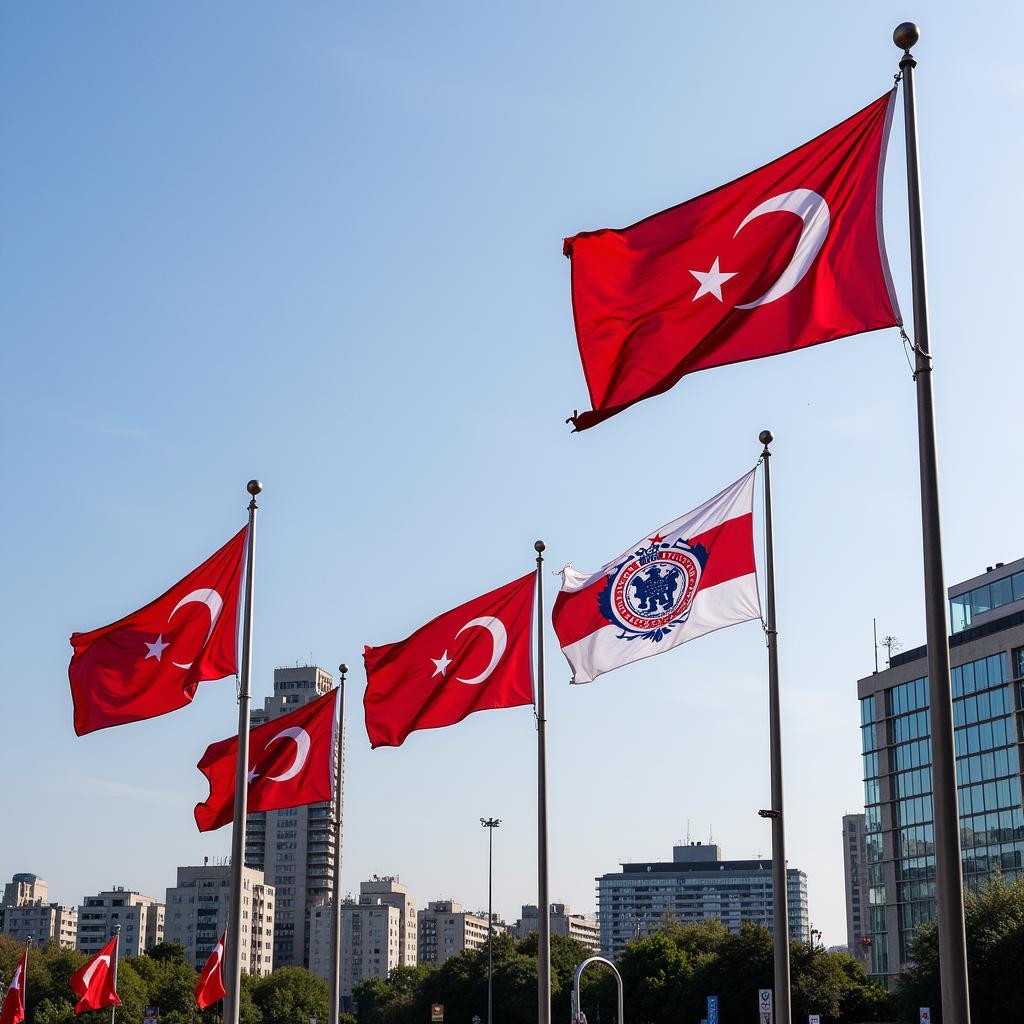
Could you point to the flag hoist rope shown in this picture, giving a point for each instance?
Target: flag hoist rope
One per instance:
(948, 877)
(233, 950)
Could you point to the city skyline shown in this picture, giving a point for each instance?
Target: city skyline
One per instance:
(258, 261)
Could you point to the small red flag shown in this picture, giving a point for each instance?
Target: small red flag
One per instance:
(291, 763)
(473, 658)
(210, 986)
(787, 256)
(152, 661)
(93, 982)
(13, 1010)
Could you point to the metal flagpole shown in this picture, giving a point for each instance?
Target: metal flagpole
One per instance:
(780, 895)
(948, 877)
(490, 824)
(339, 807)
(233, 952)
(543, 901)
(117, 959)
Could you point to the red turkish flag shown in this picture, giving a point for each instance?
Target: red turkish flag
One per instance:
(473, 658)
(13, 1010)
(787, 256)
(291, 763)
(210, 986)
(93, 982)
(152, 661)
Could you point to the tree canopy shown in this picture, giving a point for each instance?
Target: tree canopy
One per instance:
(161, 977)
(995, 953)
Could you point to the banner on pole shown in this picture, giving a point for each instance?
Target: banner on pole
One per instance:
(712, 1009)
(764, 1006)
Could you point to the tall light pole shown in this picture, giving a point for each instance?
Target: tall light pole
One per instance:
(490, 824)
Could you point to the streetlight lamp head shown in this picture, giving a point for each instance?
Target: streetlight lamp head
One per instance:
(906, 35)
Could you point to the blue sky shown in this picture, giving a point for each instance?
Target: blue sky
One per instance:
(323, 247)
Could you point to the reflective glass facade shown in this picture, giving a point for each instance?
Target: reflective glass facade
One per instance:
(988, 695)
(964, 607)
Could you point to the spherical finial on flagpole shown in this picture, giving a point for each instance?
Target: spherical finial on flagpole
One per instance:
(906, 35)
(343, 670)
(538, 546)
(254, 487)
(766, 437)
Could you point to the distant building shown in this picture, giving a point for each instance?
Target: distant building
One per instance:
(563, 922)
(294, 847)
(387, 889)
(141, 919)
(197, 913)
(371, 933)
(696, 885)
(445, 929)
(25, 889)
(986, 648)
(42, 922)
(856, 874)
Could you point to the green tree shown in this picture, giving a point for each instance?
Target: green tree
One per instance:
(291, 995)
(995, 952)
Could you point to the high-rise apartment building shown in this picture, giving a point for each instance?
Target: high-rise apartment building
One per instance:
(855, 871)
(371, 936)
(696, 885)
(563, 922)
(295, 847)
(141, 919)
(445, 929)
(197, 914)
(42, 922)
(25, 889)
(388, 890)
(987, 654)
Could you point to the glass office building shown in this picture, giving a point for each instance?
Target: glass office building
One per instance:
(987, 653)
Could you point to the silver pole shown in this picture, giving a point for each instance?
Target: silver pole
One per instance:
(543, 900)
(117, 958)
(948, 877)
(233, 953)
(339, 807)
(780, 896)
(490, 824)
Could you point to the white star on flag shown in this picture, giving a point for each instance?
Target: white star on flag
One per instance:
(441, 665)
(711, 282)
(157, 648)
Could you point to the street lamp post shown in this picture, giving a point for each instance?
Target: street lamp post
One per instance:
(490, 824)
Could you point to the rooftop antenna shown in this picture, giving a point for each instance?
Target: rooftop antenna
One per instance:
(687, 831)
(892, 646)
(711, 835)
(874, 627)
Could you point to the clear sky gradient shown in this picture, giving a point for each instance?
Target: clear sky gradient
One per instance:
(322, 246)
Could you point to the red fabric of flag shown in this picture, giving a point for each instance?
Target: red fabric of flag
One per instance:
(291, 763)
(13, 1009)
(210, 987)
(152, 661)
(93, 982)
(787, 256)
(473, 658)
